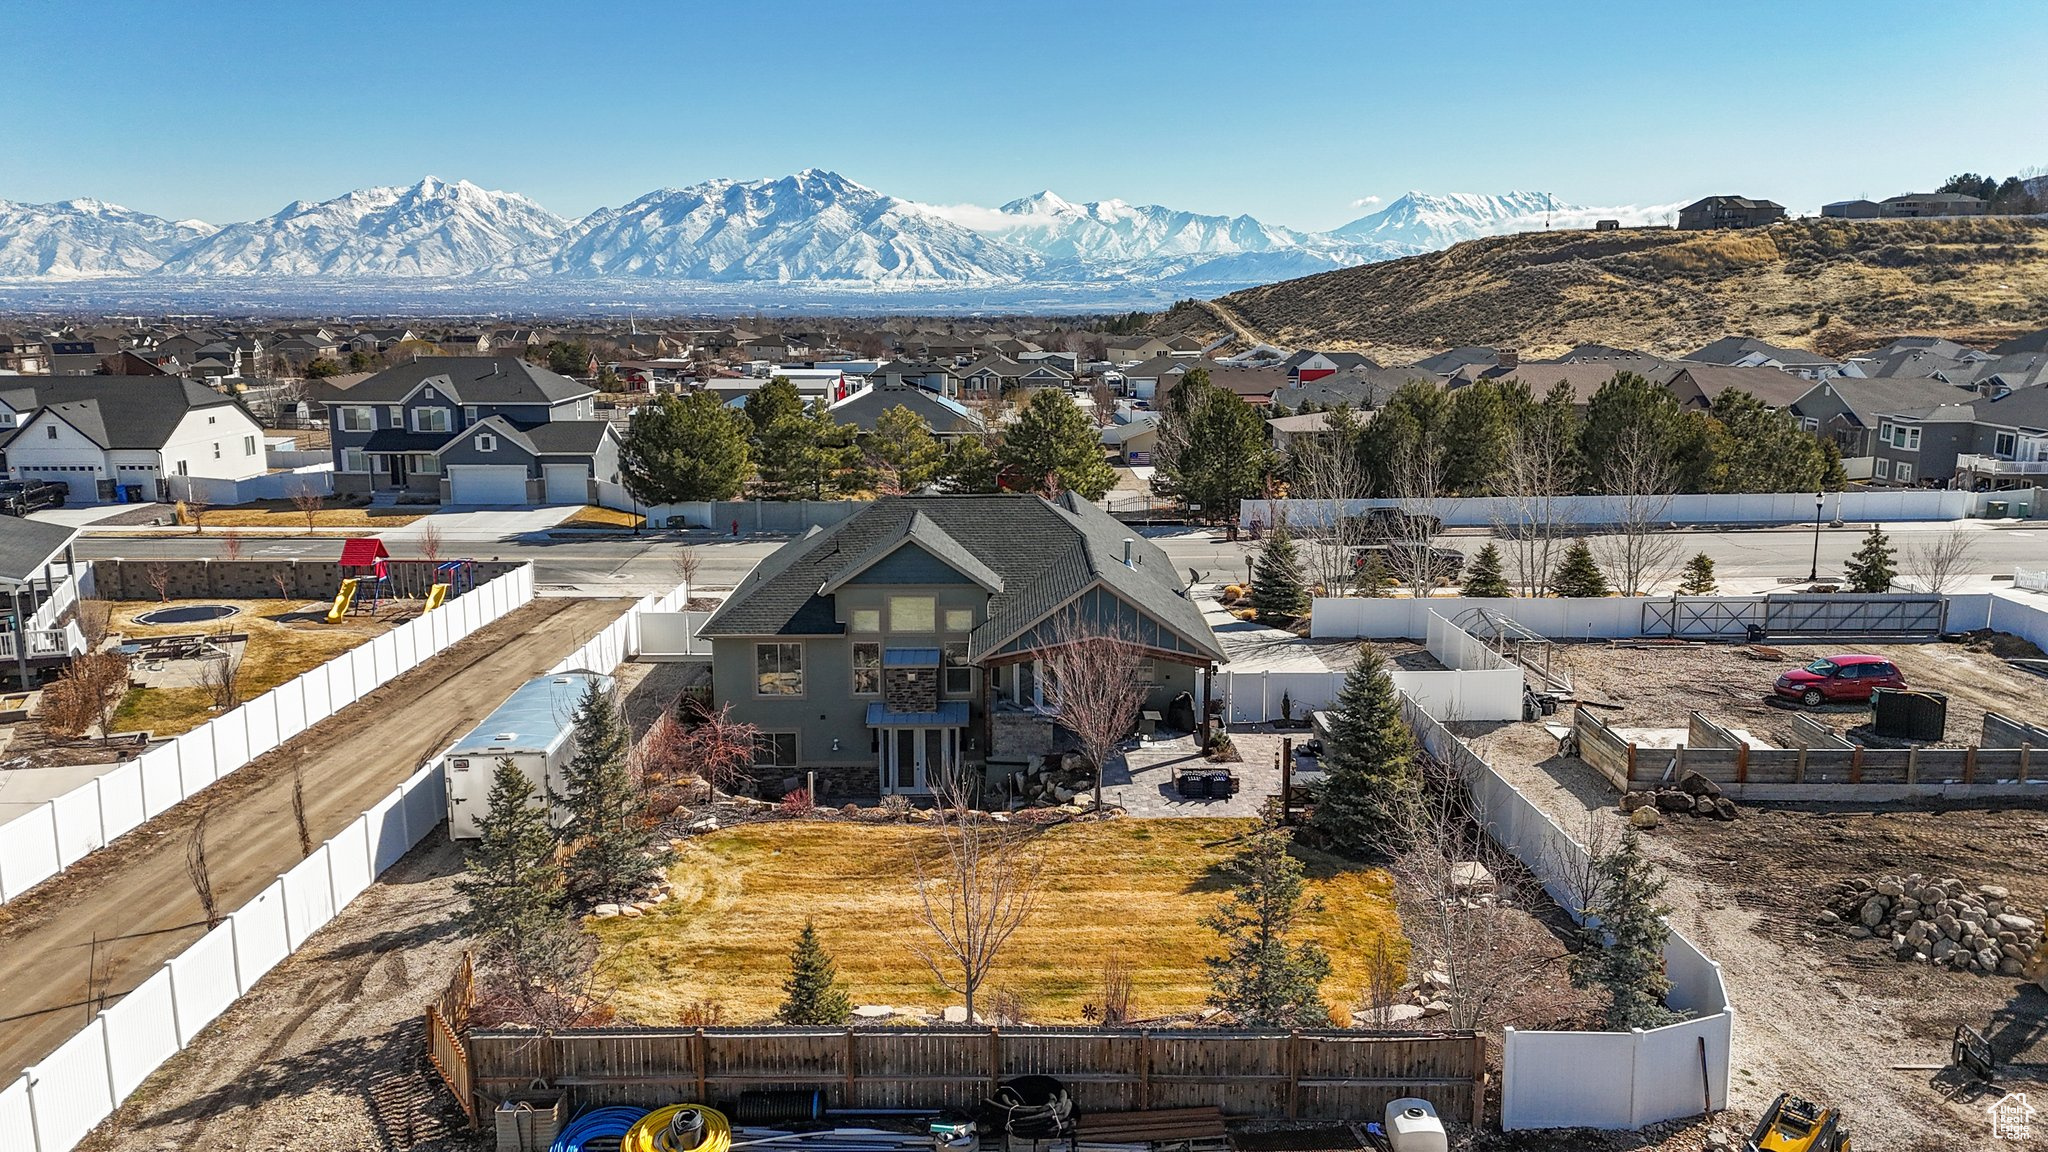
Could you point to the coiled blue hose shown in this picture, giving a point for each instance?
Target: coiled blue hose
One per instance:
(600, 1124)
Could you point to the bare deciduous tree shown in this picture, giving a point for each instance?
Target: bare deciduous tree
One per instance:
(1418, 481)
(1104, 399)
(1382, 982)
(196, 510)
(976, 895)
(1326, 477)
(159, 578)
(712, 746)
(200, 875)
(1477, 941)
(1578, 873)
(1639, 478)
(428, 543)
(686, 562)
(231, 545)
(220, 672)
(284, 585)
(309, 503)
(1534, 513)
(1114, 1010)
(1939, 559)
(1095, 681)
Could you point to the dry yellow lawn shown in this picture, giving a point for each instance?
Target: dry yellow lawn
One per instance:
(592, 516)
(1133, 888)
(282, 514)
(277, 651)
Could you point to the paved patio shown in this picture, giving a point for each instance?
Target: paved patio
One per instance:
(1141, 780)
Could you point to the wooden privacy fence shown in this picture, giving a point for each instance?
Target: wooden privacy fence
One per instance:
(1830, 768)
(446, 1021)
(1320, 1074)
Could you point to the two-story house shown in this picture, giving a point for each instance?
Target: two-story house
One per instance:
(471, 430)
(108, 437)
(906, 641)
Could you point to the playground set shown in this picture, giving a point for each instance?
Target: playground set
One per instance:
(367, 579)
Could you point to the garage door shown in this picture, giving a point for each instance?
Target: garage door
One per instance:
(487, 484)
(566, 483)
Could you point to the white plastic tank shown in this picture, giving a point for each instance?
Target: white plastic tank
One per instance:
(1412, 1126)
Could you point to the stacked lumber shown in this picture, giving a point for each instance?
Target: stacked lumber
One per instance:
(1190, 1128)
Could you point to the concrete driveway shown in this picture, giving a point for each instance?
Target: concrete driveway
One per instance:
(461, 522)
(86, 514)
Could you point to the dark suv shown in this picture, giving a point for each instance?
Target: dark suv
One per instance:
(1399, 560)
(1392, 524)
(21, 497)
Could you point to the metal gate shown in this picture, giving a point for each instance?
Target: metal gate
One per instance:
(1701, 617)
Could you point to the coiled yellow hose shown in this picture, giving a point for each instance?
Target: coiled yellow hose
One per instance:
(656, 1131)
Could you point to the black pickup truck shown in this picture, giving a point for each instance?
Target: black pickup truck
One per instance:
(21, 497)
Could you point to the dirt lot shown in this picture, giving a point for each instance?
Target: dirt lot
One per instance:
(136, 895)
(1818, 1013)
(1656, 687)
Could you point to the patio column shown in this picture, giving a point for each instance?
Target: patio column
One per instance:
(20, 635)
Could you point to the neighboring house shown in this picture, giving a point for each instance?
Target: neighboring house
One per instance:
(2009, 373)
(26, 356)
(1583, 377)
(943, 417)
(1133, 349)
(932, 377)
(470, 430)
(1852, 413)
(1916, 204)
(1288, 431)
(1306, 367)
(1363, 389)
(902, 645)
(30, 552)
(1045, 374)
(1447, 363)
(1699, 385)
(1749, 352)
(1067, 362)
(1153, 378)
(1853, 210)
(1729, 212)
(1256, 386)
(2008, 445)
(2036, 341)
(1132, 436)
(111, 437)
(1920, 447)
(990, 376)
(79, 357)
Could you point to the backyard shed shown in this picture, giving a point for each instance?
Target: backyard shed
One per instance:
(535, 728)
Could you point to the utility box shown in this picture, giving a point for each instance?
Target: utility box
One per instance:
(535, 729)
(1906, 714)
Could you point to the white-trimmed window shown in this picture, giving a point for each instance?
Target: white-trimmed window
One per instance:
(216, 449)
(1903, 473)
(2005, 445)
(354, 418)
(1883, 468)
(867, 668)
(485, 442)
(959, 619)
(778, 669)
(394, 416)
(49, 431)
(427, 464)
(352, 460)
(959, 673)
(430, 420)
(866, 620)
(468, 414)
(248, 445)
(913, 614)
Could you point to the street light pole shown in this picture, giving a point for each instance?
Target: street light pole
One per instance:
(1819, 500)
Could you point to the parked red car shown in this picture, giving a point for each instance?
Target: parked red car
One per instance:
(1840, 678)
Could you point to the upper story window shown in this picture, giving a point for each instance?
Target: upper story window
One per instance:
(430, 420)
(395, 416)
(778, 669)
(49, 431)
(959, 619)
(355, 419)
(866, 620)
(913, 614)
(486, 443)
(2005, 445)
(469, 414)
(248, 445)
(867, 667)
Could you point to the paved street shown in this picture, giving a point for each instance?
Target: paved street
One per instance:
(625, 563)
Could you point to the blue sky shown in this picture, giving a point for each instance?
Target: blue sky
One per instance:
(1294, 112)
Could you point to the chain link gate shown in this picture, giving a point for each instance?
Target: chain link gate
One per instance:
(1705, 617)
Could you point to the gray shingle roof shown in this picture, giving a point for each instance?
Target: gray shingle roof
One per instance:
(1044, 553)
(567, 437)
(473, 380)
(942, 415)
(125, 412)
(26, 545)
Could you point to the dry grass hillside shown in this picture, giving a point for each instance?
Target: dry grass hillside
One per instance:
(1828, 285)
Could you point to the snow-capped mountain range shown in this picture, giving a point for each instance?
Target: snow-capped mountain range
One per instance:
(812, 228)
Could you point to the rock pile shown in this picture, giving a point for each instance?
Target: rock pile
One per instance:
(1939, 922)
(1056, 780)
(1424, 996)
(1695, 795)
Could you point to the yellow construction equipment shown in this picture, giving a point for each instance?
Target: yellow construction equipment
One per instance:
(435, 595)
(1794, 1125)
(342, 600)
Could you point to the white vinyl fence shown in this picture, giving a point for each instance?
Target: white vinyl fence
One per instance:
(1594, 511)
(46, 840)
(317, 479)
(790, 516)
(52, 1106)
(2030, 579)
(1594, 1079)
(620, 640)
(1475, 684)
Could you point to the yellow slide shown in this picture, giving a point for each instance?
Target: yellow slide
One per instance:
(342, 600)
(435, 595)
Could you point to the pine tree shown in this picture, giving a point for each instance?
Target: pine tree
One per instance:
(1699, 577)
(904, 451)
(1874, 566)
(1373, 576)
(511, 878)
(1278, 587)
(1261, 978)
(1577, 574)
(811, 994)
(1369, 775)
(680, 448)
(1623, 950)
(608, 841)
(1486, 578)
(1052, 437)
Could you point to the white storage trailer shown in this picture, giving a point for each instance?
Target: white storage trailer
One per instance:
(535, 728)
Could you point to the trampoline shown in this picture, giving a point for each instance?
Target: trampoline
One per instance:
(187, 614)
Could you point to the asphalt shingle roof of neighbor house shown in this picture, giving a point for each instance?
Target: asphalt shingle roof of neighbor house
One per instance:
(1869, 400)
(2031, 342)
(473, 380)
(1044, 552)
(1583, 377)
(125, 412)
(1775, 388)
(26, 545)
(2014, 370)
(2025, 408)
(556, 438)
(1729, 349)
(940, 414)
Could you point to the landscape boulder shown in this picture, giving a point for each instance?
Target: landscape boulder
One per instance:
(1940, 922)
